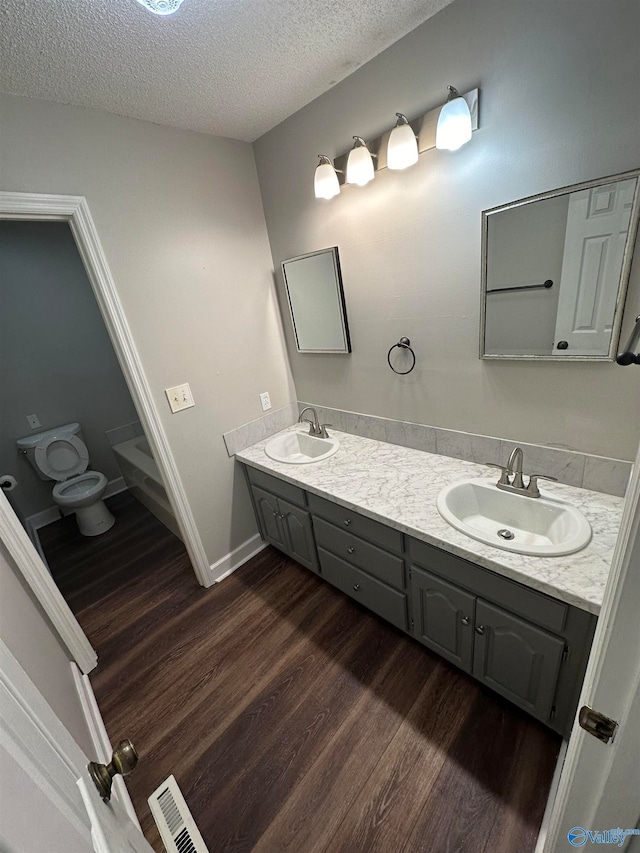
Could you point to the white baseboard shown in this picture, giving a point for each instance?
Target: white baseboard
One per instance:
(553, 790)
(100, 738)
(236, 558)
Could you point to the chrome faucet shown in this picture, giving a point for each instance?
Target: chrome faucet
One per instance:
(315, 427)
(511, 476)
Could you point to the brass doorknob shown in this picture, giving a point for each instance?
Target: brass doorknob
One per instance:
(123, 762)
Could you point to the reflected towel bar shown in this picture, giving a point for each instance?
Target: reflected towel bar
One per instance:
(629, 356)
(546, 284)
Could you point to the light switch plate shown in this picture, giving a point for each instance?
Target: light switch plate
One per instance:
(265, 401)
(180, 397)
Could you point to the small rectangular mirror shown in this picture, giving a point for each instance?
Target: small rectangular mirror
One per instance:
(316, 301)
(555, 269)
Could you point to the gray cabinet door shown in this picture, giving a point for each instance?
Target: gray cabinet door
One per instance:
(269, 518)
(516, 659)
(299, 534)
(443, 617)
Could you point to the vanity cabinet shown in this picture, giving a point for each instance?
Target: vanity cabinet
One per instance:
(513, 657)
(525, 645)
(283, 524)
(520, 642)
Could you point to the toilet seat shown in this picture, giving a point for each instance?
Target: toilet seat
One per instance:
(61, 457)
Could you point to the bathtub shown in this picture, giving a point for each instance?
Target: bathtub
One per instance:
(141, 474)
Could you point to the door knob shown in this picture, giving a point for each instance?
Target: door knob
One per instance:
(465, 620)
(480, 629)
(123, 762)
(562, 345)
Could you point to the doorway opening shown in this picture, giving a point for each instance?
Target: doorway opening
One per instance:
(124, 415)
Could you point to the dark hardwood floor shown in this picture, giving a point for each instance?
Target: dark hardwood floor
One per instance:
(293, 719)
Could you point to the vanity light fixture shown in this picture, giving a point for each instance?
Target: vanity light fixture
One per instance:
(161, 7)
(360, 163)
(448, 126)
(325, 182)
(402, 148)
(454, 122)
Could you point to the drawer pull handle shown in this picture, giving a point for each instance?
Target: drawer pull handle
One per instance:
(356, 587)
(350, 550)
(347, 521)
(480, 629)
(465, 620)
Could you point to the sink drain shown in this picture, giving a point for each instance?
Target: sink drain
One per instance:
(506, 534)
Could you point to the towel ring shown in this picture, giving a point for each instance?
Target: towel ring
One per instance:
(403, 343)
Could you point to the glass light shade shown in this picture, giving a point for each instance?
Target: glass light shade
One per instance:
(325, 182)
(161, 7)
(359, 166)
(402, 148)
(454, 125)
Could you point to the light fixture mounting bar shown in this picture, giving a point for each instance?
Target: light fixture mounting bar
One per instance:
(424, 128)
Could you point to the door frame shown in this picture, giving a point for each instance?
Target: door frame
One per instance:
(75, 211)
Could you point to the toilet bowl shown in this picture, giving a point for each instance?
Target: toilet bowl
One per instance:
(83, 495)
(60, 454)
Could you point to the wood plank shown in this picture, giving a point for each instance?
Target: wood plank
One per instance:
(394, 794)
(319, 803)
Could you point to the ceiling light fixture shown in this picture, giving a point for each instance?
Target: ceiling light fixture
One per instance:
(454, 122)
(360, 163)
(325, 182)
(402, 148)
(161, 7)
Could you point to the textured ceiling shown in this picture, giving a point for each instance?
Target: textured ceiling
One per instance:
(228, 67)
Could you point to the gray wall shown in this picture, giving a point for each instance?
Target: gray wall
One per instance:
(180, 219)
(56, 359)
(555, 109)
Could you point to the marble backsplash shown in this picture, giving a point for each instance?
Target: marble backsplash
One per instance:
(583, 470)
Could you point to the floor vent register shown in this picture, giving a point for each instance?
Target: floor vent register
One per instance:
(175, 823)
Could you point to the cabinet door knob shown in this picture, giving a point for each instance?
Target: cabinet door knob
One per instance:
(275, 513)
(465, 620)
(350, 550)
(347, 521)
(356, 587)
(480, 629)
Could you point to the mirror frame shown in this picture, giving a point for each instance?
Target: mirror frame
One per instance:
(333, 250)
(624, 272)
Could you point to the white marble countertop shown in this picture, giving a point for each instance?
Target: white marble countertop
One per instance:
(398, 486)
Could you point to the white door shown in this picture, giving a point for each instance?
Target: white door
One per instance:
(47, 800)
(599, 786)
(597, 226)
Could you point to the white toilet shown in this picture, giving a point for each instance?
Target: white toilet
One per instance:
(60, 454)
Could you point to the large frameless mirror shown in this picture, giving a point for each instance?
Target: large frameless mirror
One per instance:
(316, 301)
(555, 269)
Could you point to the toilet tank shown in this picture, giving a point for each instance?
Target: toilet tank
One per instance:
(28, 444)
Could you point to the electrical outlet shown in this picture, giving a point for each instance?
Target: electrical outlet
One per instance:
(33, 421)
(179, 397)
(265, 401)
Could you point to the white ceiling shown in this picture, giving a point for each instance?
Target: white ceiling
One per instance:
(227, 67)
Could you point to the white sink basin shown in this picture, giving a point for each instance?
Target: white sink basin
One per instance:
(299, 448)
(541, 527)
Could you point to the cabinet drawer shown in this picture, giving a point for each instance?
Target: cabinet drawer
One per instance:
(356, 523)
(388, 567)
(276, 486)
(377, 596)
(534, 606)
